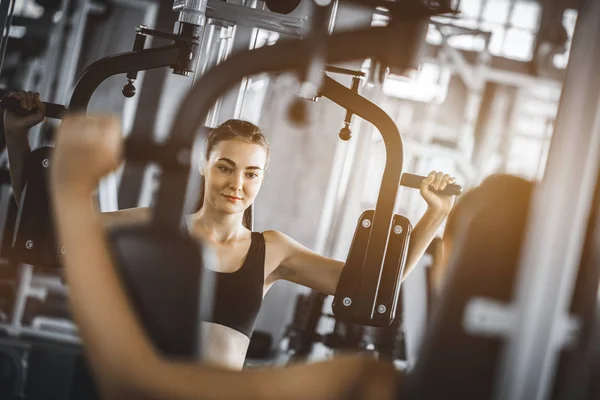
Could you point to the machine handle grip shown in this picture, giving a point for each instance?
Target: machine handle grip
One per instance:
(53, 110)
(414, 181)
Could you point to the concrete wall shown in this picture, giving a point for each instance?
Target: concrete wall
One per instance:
(111, 34)
(293, 194)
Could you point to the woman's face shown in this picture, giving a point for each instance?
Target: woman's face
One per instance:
(233, 175)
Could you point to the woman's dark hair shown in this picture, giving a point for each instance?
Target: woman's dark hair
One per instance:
(497, 190)
(234, 129)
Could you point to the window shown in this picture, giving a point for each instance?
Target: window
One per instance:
(429, 83)
(471, 9)
(28, 8)
(496, 11)
(518, 44)
(513, 24)
(527, 157)
(569, 19)
(526, 15)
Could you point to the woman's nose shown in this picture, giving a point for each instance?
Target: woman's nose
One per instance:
(236, 181)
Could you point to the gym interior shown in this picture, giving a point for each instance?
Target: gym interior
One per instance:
(359, 100)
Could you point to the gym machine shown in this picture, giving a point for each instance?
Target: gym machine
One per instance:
(451, 337)
(174, 154)
(532, 351)
(34, 241)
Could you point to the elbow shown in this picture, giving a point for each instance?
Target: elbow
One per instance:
(334, 284)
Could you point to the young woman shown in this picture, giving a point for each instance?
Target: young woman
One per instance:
(122, 358)
(236, 158)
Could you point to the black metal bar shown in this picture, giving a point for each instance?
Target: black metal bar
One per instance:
(6, 13)
(379, 42)
(344, 71)
(53, 110)
(414, 182)
(184, 35)
(89, 80)
(384, 210)
(147, 110)
(139, 150)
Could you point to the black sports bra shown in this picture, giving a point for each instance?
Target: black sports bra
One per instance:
(239, 294)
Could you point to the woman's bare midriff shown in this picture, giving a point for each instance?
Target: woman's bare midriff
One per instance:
(223, 346)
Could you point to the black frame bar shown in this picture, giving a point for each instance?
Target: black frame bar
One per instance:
(6, 15)
(372, 267)
(89, 80)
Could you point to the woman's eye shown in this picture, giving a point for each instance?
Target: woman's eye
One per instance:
(252, 175)
(223, 168)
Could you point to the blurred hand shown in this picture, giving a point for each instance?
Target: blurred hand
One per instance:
(87, 148)
(347, 377)
(29, 101)
(437, 181)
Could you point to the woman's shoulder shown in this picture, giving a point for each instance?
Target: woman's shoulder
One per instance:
(278, 241)
(275, 237)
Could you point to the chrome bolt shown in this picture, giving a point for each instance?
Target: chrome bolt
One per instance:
(381, 309)
(347, 301)
(397, 229)
(46, 163)
(29, 244)
(366, 223)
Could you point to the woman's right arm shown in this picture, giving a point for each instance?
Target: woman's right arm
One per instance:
(16, 129)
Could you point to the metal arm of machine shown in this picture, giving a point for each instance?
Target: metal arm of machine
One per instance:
(384, 210)
(97, 72)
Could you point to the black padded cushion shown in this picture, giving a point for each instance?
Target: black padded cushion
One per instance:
(453, 364)
(161, 271)
(34, 224)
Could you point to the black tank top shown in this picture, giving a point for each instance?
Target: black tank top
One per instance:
(239, 294)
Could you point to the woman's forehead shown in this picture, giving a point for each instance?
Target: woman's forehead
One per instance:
(240, 152)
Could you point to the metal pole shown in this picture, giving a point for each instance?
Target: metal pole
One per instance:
(557, 225)
(6, 13)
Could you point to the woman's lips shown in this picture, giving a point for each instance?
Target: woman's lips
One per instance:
(232, 199)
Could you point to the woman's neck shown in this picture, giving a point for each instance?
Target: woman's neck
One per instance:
(219, 227)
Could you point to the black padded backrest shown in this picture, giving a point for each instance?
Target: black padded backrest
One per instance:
(34, 238)
(162, 272)
(452, 363)
(8, 215)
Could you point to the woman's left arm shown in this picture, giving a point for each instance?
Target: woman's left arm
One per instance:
(438, 208)
(298, 264)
